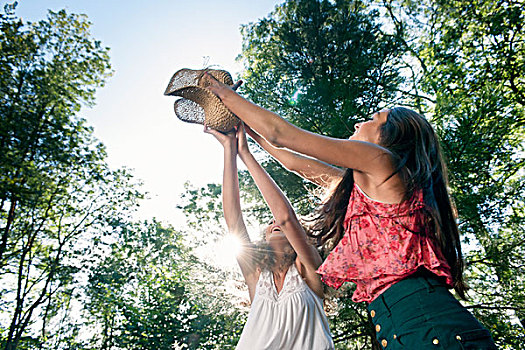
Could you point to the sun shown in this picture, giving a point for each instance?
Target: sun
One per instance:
(225, 250)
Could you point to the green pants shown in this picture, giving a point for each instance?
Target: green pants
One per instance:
(420, 313)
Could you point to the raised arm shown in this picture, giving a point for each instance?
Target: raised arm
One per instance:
(311, 169)
(232, 207)
(365, 157)
(283, 214)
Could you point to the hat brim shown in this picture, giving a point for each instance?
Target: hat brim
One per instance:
(190, 77)
(189, 111)
(199, 105)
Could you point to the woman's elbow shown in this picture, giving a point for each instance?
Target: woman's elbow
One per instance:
(273, 136)
(276, 132)
(286, 217)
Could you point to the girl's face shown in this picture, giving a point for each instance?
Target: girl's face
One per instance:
(370, 130)
(273, 232)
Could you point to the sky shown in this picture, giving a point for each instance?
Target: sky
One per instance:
(149, 41)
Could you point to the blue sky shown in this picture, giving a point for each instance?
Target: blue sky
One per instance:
(149, 41)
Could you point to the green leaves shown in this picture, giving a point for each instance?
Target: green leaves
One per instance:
(323, 65)
(56, 190)
(144, 294)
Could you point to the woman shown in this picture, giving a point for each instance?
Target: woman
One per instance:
(285, 291)
(389, 221)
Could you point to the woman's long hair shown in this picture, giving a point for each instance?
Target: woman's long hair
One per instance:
(418, 159)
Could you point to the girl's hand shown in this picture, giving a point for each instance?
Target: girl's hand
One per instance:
(242, 142)
(227, 140)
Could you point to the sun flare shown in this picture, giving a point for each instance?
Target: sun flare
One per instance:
(226, 249)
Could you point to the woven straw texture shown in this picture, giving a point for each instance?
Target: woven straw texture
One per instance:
(216, 115)
(190, 77)
(185, 109)
(198, 104)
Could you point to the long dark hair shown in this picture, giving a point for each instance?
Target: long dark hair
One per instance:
(417, 155)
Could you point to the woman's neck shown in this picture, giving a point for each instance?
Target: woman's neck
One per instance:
(279, 276)
(279, 270)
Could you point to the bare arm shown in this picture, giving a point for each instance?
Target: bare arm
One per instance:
(311, 169)
(280, 207)
(372, 160)
(232, 208)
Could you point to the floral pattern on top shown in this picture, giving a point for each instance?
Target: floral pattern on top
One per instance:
(383, 244)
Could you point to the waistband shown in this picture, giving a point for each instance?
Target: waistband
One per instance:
(404, 288)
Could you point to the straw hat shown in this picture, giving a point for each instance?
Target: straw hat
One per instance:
(198, 104)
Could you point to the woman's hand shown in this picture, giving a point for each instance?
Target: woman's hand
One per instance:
(227, 140)
(242, 142)
(218, 88)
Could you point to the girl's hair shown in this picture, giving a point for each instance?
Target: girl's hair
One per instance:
(418, 159)
(264, 256)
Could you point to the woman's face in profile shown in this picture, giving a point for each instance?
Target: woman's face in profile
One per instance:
(370, 130)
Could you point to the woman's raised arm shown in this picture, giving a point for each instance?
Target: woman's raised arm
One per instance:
(283, 214)
(365, 157)
(310, 169)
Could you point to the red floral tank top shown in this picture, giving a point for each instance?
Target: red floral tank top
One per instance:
(383, 244)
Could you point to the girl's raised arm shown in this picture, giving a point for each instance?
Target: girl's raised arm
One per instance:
(283, 214)
(232, 207)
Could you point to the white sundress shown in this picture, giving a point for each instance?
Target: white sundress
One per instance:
(293, 319)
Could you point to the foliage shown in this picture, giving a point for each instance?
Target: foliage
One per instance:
(321, 64)
(462, 63)
(202, 208)
(76, 271)
(56, 190)
(140, 295)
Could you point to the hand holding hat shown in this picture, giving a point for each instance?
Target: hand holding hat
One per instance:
(217, 87)
(198, 103)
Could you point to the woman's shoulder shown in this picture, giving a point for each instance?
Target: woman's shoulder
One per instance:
(311, 278)
(299, 267)
(389, 191)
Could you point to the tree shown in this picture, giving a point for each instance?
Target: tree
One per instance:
(321, 64)
(145, 295)
(56, 189)
(459, 62)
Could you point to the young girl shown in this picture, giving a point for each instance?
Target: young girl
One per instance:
(285, 292)
(389, 221)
